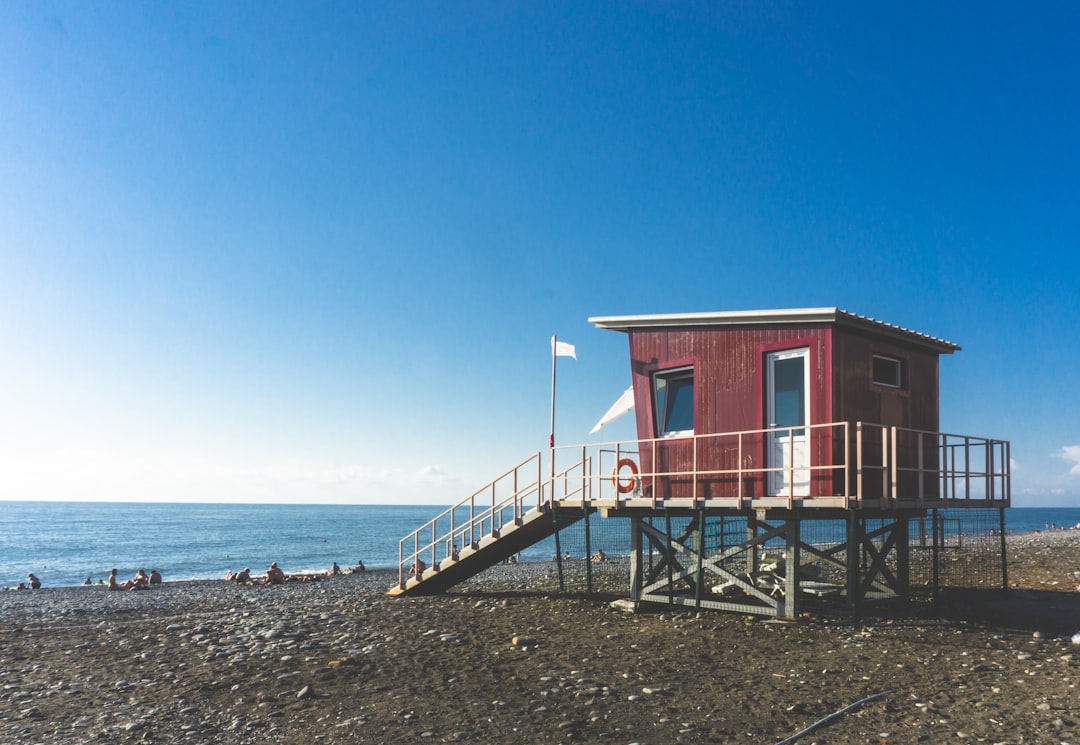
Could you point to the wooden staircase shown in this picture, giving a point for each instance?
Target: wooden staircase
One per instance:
(491, 549)
(517, 510)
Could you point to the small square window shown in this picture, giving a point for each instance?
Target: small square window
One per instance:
(887, 371)
(673, 393)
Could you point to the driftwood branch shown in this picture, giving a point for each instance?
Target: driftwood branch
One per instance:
(835, 715)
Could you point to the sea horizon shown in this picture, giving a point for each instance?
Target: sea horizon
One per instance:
(64, 542)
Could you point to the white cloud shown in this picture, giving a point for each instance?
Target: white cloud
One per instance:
(1071, 454)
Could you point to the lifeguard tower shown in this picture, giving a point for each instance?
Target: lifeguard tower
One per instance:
(779, 423)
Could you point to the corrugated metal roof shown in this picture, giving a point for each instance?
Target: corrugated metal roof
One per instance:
(779, 317)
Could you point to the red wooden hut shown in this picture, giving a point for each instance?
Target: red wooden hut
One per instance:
(806, 405)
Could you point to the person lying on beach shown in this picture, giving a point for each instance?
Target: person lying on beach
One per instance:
(34, 582)
(274, 576)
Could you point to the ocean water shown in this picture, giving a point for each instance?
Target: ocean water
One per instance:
(65, 542)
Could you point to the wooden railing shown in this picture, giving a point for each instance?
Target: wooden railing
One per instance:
(858, 464)
(846, 464)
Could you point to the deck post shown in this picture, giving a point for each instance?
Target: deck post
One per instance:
(852, 561)
(1004, 557)
(751, 534)
(588, 553)
(668, 557)
(699, 575)
(903, 557)
(791, 570)
(555, 524)
(935, 551)
(636, 558)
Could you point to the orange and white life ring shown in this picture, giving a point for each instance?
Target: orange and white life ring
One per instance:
(624, 485)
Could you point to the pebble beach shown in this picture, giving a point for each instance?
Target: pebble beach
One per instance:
(497, 661)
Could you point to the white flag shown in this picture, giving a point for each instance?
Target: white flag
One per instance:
(562, 349)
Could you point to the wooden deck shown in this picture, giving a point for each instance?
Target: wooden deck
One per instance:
(865, 468)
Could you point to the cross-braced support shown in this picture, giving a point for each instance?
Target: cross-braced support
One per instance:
(765, 574)
(680, 572)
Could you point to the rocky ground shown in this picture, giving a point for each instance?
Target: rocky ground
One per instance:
(336, 661)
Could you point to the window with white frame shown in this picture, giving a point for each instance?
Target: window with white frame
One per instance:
(888, 371)
(673, 395)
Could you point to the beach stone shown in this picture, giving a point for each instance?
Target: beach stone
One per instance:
(304, 692)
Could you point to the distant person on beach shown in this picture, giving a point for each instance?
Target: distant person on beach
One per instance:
(418, 568)
(598, 556)
(357, 569)
(335, 570)
(87, 582)
(34, 582)
(155, 577)
(242, 577)
(274, 575)
(140, 582)
(113, 584)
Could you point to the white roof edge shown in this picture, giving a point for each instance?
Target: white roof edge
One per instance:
(781, 316)
(722, 318)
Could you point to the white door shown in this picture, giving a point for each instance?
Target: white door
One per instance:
(788, 409)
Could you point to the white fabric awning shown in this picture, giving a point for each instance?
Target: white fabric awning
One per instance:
(624, 405)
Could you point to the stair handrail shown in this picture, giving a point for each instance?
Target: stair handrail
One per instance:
(489, 521)
(475, 522)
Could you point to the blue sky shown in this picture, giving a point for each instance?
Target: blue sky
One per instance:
(316, 251)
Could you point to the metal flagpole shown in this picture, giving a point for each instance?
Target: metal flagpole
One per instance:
(551, 437)
(551, 472)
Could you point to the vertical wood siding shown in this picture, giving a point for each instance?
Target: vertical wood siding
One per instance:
(915, 405)
(729, 396)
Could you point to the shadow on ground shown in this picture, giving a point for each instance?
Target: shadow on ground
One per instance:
(1055, 613)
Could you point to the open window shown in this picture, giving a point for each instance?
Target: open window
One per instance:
(673, 395)
(888, 371)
